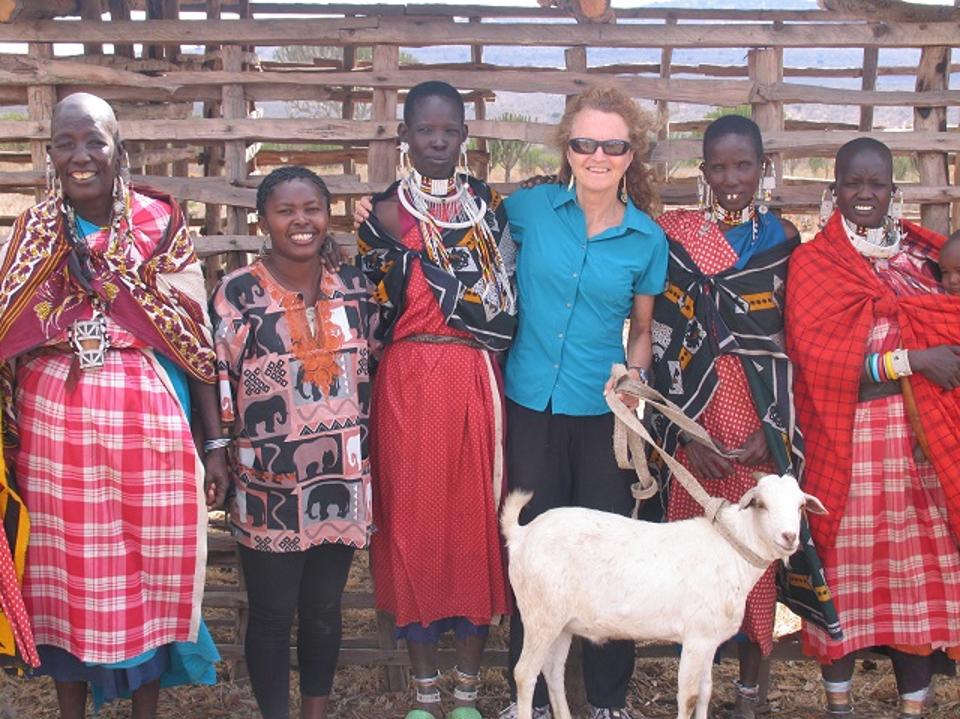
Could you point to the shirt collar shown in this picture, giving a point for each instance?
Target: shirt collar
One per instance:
(633, 218)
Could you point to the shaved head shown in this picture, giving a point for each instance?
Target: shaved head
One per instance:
(83, 104)
(862, 146)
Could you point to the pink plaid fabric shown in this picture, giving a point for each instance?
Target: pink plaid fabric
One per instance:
(108, 473)
(895, 569)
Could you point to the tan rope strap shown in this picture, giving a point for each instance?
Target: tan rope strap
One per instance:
(629, 437)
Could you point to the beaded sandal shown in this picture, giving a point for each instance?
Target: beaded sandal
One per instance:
(428, 692)
(466, 690)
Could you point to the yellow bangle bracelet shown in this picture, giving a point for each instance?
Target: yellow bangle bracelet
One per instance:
(888, 365)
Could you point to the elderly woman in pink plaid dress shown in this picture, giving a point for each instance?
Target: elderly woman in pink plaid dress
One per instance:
(103, 335)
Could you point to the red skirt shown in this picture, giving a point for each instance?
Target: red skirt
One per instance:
(437, 458)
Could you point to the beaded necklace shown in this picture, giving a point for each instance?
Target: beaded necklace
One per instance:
(733, 218)
(448, 204)
(875, 242)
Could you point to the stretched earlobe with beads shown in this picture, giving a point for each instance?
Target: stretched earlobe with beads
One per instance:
(827, 202)
(768, 183)
(704, 197)
(405, 167)
(896, 205)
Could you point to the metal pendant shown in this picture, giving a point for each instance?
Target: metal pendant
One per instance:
(90, 341)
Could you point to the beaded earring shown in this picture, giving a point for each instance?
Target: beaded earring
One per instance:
(464, 162)
(405, 167)
(768, 183)
(827, 200)
(622, 193)
(896, 205)
(704, 197)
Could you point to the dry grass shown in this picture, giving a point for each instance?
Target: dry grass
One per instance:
(794, 694)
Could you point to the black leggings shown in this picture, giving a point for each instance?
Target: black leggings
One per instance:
(568, 461)
(310, 582)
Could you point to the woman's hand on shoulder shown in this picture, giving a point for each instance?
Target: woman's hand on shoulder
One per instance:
(362, 211)
(940, 365)
(531, 182)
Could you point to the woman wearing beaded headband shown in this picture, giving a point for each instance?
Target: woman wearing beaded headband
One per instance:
(102, 328)
(717, 323)
(876, 347)
(436, 248)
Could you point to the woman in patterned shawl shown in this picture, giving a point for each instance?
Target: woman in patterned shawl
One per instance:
(102, 329)
(434, 246)
(876, 346)
(718, 349)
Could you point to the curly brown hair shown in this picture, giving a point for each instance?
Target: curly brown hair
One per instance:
(640, 178)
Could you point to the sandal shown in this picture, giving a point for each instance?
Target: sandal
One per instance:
(748, 700)
(428, 693)
(911, 709)
(466, 690)
(839, 706)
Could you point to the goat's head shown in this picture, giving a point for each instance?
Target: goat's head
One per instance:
(777, 504)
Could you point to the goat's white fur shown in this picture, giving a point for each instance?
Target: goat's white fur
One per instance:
(601, 576)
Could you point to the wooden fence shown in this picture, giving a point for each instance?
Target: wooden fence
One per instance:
(190, 100)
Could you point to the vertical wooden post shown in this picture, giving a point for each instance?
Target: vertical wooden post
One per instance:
(382, 156)
(90, 10)
(381, 171)
(481, 168)
(120, 10)
(933, 73)
(871, 56)
(40, 102)
(213, 165)
(348, 111)
(575, 60)
(234, 107)
(663, 107)
(766, 67)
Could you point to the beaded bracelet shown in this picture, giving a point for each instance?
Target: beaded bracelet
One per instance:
(888, 366)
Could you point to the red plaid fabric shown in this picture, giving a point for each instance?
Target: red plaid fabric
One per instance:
(895, 569)
(729, 417)
(109, 473)
(834, 298)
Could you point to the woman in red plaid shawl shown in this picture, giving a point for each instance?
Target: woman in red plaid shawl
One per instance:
(876, 347)
(102, 328)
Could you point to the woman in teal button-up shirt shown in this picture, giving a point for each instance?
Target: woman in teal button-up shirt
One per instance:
(589, 257)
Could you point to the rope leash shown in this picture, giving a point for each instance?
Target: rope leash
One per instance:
(630, 436)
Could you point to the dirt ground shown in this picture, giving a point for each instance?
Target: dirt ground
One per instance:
(357, 694)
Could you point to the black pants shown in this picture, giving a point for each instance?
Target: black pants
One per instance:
(568, 461)
(310, 582)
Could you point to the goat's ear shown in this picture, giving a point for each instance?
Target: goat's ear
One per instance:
(757, 476)
(748, 498)
(813, 505)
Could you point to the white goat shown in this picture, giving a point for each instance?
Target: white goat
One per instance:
(601, 576)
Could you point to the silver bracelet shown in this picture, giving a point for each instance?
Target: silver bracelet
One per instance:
(219, 443)
(901, 362)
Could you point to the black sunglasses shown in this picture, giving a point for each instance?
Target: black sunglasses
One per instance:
(588, 146)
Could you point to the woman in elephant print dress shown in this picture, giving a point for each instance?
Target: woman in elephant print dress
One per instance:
(293, 357)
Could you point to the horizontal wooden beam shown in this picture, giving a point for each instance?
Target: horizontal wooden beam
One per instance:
(274, 130)
(478, 10)
(413, 32)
